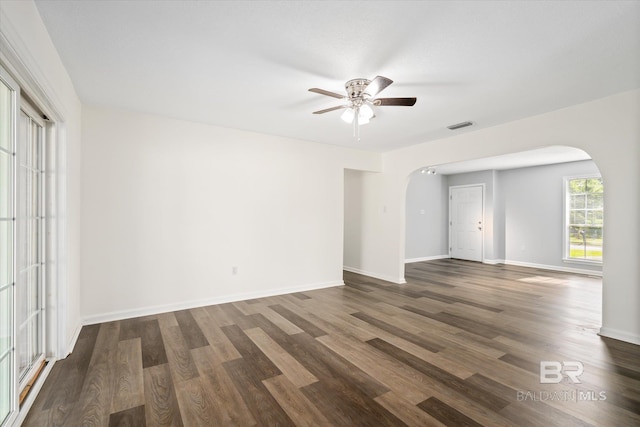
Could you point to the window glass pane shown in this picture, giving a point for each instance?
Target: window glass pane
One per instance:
(595, 201)
(35, 145)
(594, 185)
(577, 201)
(34, 199)
(6, 255)
(5, 185)
(6, 314)
(577, 217)
(24, 126)
(577, 185)
(595, 217)
(585, 203)
(5, 389)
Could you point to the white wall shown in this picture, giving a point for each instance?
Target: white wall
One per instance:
(427, 217)
(607, 129)
(28, 52)
(534, 212)
(170, 207)
(366, 211)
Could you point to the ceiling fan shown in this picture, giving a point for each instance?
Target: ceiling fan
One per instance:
(360, 98)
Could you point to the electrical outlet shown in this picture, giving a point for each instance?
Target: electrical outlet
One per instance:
(234, 270)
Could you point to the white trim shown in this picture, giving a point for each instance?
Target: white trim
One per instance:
(493, 261)
(33, 393)
(157, 309)
(617, 334)
(399, 281)
(426, 258)
(554, 268)
(74, 338)
(582, 261)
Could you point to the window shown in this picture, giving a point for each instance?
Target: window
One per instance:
(584, 218)
(22, 238)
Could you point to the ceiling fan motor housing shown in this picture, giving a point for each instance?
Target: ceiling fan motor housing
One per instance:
(356, 88)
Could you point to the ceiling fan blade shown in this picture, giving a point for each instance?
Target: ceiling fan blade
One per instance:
(377, 85)
(326, 110)
(408, 102)
(326, 92)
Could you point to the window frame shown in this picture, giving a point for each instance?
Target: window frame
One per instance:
(566, 250)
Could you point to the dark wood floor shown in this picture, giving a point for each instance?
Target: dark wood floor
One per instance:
(460, 344)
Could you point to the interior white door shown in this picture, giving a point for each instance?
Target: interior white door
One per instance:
(465, 222)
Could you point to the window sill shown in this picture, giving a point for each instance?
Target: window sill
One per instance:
(581, 261)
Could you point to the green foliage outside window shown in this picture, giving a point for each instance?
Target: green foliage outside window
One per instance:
(586, 209)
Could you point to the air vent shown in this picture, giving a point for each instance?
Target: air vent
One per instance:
(460, 125)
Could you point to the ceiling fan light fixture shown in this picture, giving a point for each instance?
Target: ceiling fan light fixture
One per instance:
(365, 114)
(360, 99)
(347, 116)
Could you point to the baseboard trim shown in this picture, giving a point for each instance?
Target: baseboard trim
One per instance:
(399, 281)
(426, 258)
(493, 261)
(554, 268)
(620, 335)
(147, 311)
(72, 343)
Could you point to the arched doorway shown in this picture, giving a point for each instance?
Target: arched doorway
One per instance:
(530, 216)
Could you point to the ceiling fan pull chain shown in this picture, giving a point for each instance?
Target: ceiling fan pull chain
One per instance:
(356, 125)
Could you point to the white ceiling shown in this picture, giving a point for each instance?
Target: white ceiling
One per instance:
(248, 64)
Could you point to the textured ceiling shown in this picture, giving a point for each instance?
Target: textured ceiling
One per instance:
(248, 65)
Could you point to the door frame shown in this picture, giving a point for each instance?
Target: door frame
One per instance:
(450, 221)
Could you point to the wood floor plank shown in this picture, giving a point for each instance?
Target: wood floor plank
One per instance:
(457, 344)
(161, 404)
(129, 387)
(319, 360)
(297, 320)
(153, 350)
(422, 342)
(484, 398)
(409, 413)
(301, 411)
(278, 320)
(391, 373)
(446, 414)
(71, 371)
(191, 332)
(251, 353)
(94, 402)
(217, 381)
(224, 349)
(262, 405)
(132, 417)
(344, 406)
(197, 407)
(178, 355)
(289, 366)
